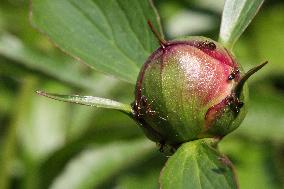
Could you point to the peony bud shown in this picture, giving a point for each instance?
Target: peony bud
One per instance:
(190, 89)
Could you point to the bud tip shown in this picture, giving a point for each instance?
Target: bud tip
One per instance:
(243, 79)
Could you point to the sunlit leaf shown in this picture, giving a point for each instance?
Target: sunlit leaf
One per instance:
(237, 15)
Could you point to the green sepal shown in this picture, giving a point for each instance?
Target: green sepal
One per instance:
(89, 101)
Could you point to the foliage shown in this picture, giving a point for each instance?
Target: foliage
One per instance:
(45, 143)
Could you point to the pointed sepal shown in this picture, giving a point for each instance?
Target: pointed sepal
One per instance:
(238, 88)
(89, 101)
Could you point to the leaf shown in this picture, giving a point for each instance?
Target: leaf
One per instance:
(252, 161)
(141, 181)
(265, 116)
(237, 15)
(54, 66)
(42, 127)
(143, 175)
(197, 164)
(8, 148)
(97, 164)
(57, 161)
(267, 37)
(110, 36)
(89, 101)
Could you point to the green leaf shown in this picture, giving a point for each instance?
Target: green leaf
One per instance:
(144, 175)
(57, 161)
(89, 101)
(42, 126)
(237, 15)
(147, 180)
(267, 32)
(8, 150)
(265, 116)
(53, 66)
(197, 164)
(254, 162)
(97, 164)
(41, 130)
(110, 36)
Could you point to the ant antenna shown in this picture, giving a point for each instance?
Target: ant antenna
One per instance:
(162, 41)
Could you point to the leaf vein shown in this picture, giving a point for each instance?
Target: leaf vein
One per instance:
(112, 43)
(131, 28)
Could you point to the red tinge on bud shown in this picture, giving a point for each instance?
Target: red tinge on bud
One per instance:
(188, 89)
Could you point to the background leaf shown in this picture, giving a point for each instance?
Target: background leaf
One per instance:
(237, 15)
(110, 36)
(140, 181)
(59, 67)
(253, 160)
(256, 148)
(96, 164)
(8, 150)
(197, 164)
(265, 116)
(41, 130)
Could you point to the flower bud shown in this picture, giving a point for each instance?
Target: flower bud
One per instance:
(190, 89)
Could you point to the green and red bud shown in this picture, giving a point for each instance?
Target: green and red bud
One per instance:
(190, 89)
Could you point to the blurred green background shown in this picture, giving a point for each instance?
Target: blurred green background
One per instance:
(50, 144)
